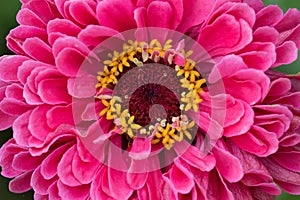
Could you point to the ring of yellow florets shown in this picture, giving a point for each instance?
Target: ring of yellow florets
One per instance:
(135, 55)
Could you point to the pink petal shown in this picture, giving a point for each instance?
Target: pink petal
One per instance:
(108, 14)
(243, 125)
(21, 183)
(64, 169)
(23, 161)
(83, 13)
(69, 61)
(159, 14)
(286, 53)
(59, 27)
(20, 129)
(83, 86)
(258, 141)
(194, 157)
(73, 193)
(252, 81)
(27, 17)
(13, 106)
(266, 34)
(140, 149)
(193, 14)
(137, 175)
(259, 56)
(6, 120)
(93, 35)
(49, 166)
(38, 49)
(37, 125)
(268, 16)
(228, 165)
(39, 184)
(227, 66)
(179, 175)
(288, 158)
(140, 15)
(60, 115)
(41, 9)
(289, 20)
(287, 180)
(18, 35)
(84, 171)
(215, 42)
(279, 87)
(118, 186)
(54, 91)
(14, 91)
(9, 67)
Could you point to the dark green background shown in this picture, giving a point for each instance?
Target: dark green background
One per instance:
(8, 11)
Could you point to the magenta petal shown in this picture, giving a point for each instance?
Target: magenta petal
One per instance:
(72, 193)
(140, 15)
(13, 106)
(82, 12)
(194, 157)
(118, 186)
(286, 53)
(84, 171)
(255, 85)
(259, 56)
(14, 91)
(30, 164)
(69, 61)
(159, 10)
(179, 175)
(93, 35)
(243, 125)
(6, 120)
(27, 17)
(82, 87)
(21, 183)
(137, 175)
(108, 14)
(38, 49)
(228, 165)
(288, 158)
(141, 148)
(17, 36)
(279, 87)
(61, 27)
(258, 141)
(193, 14)
(54, 91)
(64, 169)
(50, 164)
(227, 66)
(38, 123)
(9, 67)
(266, 34)
(20, 128)
(39, 184)
(289, 20)
(60, 115)
(287, 180)
(268, 16)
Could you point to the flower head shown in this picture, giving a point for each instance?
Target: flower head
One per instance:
(138, 99)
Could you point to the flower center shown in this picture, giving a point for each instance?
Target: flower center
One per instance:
(154, 87)
(151, 102)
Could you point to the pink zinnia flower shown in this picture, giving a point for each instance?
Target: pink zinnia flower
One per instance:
(104, 107)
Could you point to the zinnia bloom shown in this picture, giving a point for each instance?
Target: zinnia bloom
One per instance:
(165, 99)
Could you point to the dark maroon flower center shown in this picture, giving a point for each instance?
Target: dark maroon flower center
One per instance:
(151, 102)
